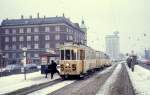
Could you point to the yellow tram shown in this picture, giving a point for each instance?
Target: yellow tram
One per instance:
(77, 60)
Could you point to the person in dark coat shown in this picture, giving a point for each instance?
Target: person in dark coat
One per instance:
(129, 59)
(53, 68)
(133, 62)
(46, 71)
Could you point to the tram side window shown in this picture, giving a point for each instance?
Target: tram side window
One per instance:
(62, 54)
(67, 55)
(82, 54)
(73, 55)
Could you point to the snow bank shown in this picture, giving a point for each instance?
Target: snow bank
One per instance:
(52, 88)
(140, 79)
(15, 82)
(105, 88)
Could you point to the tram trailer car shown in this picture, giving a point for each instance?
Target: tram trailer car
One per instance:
(77, 60)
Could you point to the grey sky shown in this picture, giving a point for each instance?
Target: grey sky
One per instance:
(102, 17)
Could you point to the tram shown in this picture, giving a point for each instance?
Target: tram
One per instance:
(78, 60)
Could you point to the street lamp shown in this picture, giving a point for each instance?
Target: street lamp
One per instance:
(24, 49)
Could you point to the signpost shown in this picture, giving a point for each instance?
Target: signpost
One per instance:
(24, 49)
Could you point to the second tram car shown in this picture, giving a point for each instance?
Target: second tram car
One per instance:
(77, 60)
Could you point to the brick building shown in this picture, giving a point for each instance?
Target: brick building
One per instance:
(38, 35)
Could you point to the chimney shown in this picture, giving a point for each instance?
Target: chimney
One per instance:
(22, 17)
(38, 15)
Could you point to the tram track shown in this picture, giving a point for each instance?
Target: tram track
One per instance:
(28, 90)
(64, 89)
(88, 86)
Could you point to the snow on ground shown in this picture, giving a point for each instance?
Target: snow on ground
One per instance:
(15, 82)
(140, 79)
(52, 88)
(105, 88)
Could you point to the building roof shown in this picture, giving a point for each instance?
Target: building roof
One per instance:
(38, 21)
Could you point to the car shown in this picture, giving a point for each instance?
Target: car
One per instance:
(13, 67)
(31, 66)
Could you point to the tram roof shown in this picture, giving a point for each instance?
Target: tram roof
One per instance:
(74, 46)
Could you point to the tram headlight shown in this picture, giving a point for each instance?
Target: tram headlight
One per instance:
(67, 64)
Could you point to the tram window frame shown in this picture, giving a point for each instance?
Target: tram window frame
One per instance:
(67, 54)
(73, 54)
(62, 54)
(82, 55)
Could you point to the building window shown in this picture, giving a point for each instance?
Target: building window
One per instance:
(47, 37)
(28, 38)
(28, 30)
(36, 38)
(20, 46)
(14, 31)
(47, 45)
(6, 31)
(21, 38)
(13, 55)
(6, 47)
(57, 28)
(36, 55)
(36, 46)
(57, 45)
(67, 37)
(6, 39)
(21, 30)
(28, 55)
(14, 47)
(28, 46)
(7, 55)
(14, 39)
(70, 37)
(47, 29)
(36, 29)
(57, 37)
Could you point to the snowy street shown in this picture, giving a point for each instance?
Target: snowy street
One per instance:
(14, 82)
(115, 80)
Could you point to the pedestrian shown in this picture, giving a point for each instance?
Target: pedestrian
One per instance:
(46, 71)
(54, 69)
(133, 62)
(129, 59)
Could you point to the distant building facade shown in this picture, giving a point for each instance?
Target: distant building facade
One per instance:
(147, 53)
(113, 45)
(38, 35)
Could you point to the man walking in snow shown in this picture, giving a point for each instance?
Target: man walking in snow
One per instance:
(133, 62)
(53, 68)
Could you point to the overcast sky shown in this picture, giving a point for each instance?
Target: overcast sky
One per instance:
(102, 17)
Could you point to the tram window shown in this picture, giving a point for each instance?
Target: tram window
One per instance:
(73, 55)
(67, 55)
(82, 54)
(62, 54)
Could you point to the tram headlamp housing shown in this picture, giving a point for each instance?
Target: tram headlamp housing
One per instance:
(67, 64)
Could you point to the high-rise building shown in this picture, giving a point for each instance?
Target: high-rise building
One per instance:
(112, 45)
(38, 35)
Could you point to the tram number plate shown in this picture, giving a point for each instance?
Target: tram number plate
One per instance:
(68, 70)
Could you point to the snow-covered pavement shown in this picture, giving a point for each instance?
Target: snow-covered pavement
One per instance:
(140, 79)
(15, 82)
(52, 88)
(105, 88)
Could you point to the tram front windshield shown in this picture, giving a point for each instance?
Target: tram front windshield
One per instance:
(68, 54)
